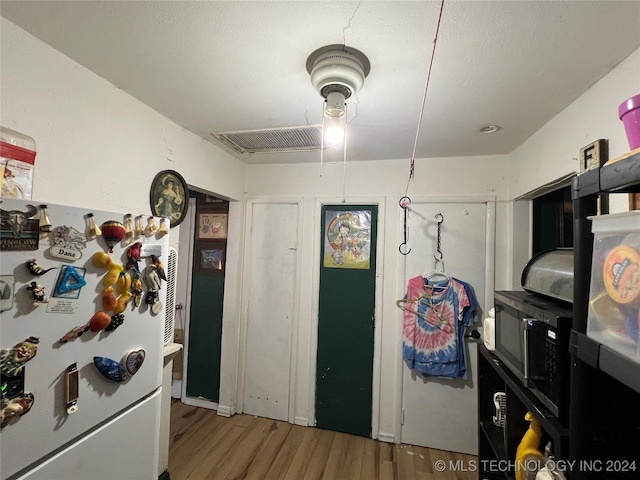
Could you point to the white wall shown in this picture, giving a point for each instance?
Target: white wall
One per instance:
(553, 151)
(97, 146)
(387, 180)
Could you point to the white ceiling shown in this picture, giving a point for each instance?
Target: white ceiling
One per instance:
(219, 66)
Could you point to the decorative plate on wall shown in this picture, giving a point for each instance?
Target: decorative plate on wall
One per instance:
(169, 197)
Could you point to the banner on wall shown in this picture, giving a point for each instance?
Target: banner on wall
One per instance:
(347, 239)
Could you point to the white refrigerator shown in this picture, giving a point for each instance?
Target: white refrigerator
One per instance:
(61, 423)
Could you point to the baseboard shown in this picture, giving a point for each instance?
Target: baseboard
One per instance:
(302, 421)
(226, 410)
(386, 437)
(199, 402)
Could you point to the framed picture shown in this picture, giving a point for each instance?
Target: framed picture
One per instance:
(210, 258)
(169, 197)
(347, 239)
(634, 201)
(212, 225)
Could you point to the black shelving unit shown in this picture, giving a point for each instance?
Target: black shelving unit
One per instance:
(497, 445)
(604, 421)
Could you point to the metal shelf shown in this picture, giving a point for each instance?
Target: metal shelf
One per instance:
(614, 177)
(549, 423)
(603, 358)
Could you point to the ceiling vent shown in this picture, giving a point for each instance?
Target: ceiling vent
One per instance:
(272, 140)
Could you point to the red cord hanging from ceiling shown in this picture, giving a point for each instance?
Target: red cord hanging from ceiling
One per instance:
(424, 98)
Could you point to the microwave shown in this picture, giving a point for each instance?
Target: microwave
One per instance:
(532, 340)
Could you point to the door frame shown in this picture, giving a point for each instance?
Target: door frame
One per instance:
(315, 308)
(489, 281)
(186, 237)
(244, 301)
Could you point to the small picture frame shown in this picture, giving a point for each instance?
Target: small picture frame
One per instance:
(210, 258)
(634, 201)
(212, 225)
(169, 197)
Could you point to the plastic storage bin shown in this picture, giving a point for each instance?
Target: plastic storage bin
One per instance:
(614, 296)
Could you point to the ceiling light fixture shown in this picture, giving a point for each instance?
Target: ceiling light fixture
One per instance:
(490, 129)
(337, 72)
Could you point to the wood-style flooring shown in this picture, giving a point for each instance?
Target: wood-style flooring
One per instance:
(206, 446)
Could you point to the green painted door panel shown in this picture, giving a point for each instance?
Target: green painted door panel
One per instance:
(344, 371)
(205, 336)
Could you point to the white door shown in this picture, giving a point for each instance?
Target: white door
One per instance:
(271, 292)
(442, 413)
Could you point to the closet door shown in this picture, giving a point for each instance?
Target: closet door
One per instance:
(442, 413)
(271, 292)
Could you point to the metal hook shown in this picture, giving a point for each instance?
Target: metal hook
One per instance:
(404, 204)
(439, 258)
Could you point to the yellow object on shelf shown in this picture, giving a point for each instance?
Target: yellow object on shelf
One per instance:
(529, 458)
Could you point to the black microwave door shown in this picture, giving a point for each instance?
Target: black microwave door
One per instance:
(510, 340)
(542, 359)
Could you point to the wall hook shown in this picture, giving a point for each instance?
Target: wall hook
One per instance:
(404, 204)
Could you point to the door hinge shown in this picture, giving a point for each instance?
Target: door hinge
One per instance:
(402, 417)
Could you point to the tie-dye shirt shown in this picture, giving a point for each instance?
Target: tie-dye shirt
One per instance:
(433, 318)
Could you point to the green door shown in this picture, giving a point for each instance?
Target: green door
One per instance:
(344, 371)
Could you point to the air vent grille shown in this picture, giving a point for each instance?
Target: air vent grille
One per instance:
(273, 140)
(170, 310)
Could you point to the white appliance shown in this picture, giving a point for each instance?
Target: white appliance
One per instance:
(114, 432)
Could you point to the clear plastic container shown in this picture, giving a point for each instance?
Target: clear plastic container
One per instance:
(17, 163)
(614, 297)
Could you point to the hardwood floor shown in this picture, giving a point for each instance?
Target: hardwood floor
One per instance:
(206, 446)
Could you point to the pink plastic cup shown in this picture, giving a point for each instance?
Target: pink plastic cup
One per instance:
(629, 113)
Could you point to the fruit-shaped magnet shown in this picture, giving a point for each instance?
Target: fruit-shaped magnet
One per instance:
(110, 369)
(99, 321)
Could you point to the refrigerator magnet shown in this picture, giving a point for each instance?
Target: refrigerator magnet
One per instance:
(71, 388)
(15, 407)
(133, 361)
(110, 369)
(19, 231)
(36, 269)
(68, 243)
(13, 359)
(37, 292)
(7, 286)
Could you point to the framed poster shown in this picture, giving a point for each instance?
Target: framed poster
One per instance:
(212, 225)
(347, 239)
(169, 197)
(210, 258)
